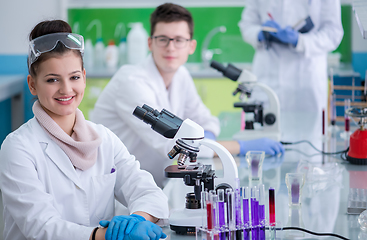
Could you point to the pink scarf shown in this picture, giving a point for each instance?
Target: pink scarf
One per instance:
(81, 147)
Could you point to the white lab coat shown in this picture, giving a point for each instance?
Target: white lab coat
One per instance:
(44, 197)
(298, 75)
(135, 85)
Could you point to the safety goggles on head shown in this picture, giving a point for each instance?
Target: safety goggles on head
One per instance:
(47, 43)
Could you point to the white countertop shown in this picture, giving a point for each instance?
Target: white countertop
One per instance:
(10, 85)
(328, 177)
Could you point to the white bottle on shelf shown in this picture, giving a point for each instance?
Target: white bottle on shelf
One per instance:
(99, 54)
(111, 56)
(122, 52)
(88, 55)
(137, 43)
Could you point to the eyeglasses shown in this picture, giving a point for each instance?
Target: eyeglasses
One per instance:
(163, 41)
(47, 43)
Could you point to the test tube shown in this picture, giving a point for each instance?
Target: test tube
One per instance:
(238, 213)
(246, 212)
(221, 214)
(272, 206)
(203, 206)
(231, 214)
(231, 210)
(214, 201)
(323, 122)
(333, 109)
(262, 211)
(272, 212)
(254, 213)
(210, 211)
(346, 117)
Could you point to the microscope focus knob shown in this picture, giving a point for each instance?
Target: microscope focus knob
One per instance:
(270, 119)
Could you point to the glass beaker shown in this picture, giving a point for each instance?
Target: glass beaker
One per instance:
(295, 182)
(255, 161)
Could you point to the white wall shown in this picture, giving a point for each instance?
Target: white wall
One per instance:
(18, 17)
(358, 43)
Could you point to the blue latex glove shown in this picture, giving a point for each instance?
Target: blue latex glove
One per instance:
(269, 23)
(120, 226)
(286, 35)
(267, 145)
(146, 231)
(209, 135)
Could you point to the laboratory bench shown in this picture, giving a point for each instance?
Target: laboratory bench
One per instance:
(331, 183)
(329, 179)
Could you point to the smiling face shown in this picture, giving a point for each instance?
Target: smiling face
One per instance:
(59, 85)
(168, 59)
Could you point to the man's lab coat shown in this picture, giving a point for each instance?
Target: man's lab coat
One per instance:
(135, 85)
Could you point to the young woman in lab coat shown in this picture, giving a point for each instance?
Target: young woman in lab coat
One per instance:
(60, 174)
(162, 81)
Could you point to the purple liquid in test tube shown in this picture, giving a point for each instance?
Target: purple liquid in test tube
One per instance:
(246, 212)
(254, 213)
(262, 211)
(221, 214)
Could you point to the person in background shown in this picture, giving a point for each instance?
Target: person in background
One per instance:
(60, 174)
(292, 40)
(161, 81)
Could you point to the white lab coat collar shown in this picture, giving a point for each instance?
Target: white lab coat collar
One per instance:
(55, 153)
(152, 69)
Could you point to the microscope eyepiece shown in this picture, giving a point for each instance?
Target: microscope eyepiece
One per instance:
(148, 108)
(164, 122)
(217, 65)
(139, 112)
(143, 114)
(230, 71)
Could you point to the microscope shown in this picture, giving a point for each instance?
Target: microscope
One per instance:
(265, 121)
(189, 137)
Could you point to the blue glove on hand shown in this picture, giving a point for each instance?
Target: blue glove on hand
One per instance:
(120, 226)
(286, 35)
(269, 23)
(209, 135)
(147, 231)
(267, 145)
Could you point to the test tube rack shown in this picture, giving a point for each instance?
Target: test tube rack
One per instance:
(260, 232)
(237, 215)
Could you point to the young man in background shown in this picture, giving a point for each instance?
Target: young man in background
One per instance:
(161, 81)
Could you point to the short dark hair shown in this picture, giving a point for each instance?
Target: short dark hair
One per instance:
(48, 27)
(168, 13)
